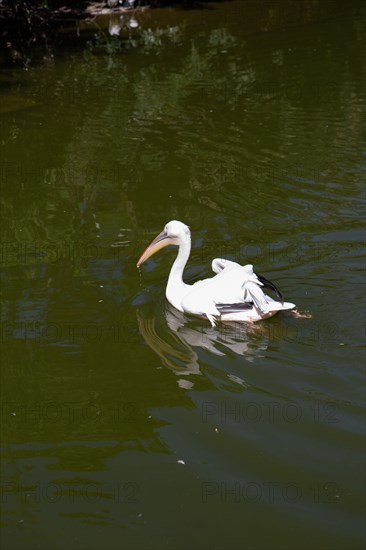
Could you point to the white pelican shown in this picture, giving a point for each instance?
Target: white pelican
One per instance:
(234, 294)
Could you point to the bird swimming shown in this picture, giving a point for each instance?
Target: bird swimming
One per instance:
(235, 293)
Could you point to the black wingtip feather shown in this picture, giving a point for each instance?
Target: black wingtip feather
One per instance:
(268, 284)
(234, 308)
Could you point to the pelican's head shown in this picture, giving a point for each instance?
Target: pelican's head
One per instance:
(174, 233)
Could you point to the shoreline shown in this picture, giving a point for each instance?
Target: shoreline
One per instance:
(28, 33)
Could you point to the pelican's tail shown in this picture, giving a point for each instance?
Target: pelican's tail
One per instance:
(278, 306)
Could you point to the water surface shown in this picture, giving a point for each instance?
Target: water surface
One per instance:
(124, 423)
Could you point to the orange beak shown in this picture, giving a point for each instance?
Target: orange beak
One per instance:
(158, 243)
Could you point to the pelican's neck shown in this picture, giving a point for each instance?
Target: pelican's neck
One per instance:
(184, 250)
(176, 288)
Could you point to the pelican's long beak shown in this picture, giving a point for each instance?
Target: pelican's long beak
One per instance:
(159, 242)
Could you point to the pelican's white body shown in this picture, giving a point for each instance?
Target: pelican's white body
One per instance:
(233, 294)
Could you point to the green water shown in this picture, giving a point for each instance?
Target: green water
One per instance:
(124, 423)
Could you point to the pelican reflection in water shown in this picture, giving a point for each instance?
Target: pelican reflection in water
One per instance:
(177, 340)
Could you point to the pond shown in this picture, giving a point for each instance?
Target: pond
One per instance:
(126, 424)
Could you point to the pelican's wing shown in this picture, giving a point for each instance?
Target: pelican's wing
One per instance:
(234, 308)
(233, 290)
(267, 284)
(219, 264)
(227, 287)
(251, 283)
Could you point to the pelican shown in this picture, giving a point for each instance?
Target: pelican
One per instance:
(235, 293)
